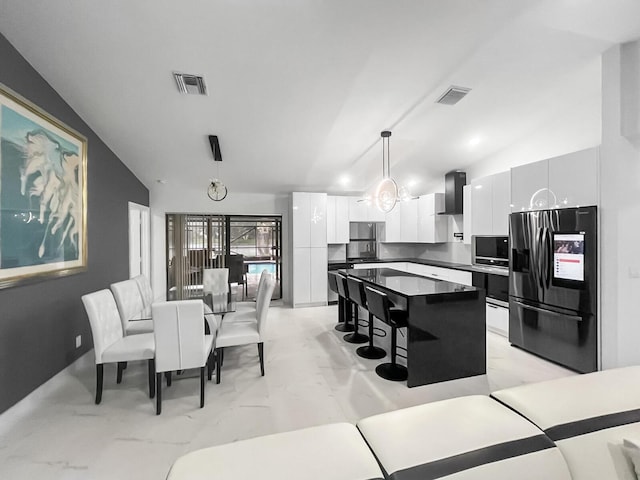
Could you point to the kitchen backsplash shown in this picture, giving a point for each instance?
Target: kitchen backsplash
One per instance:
(455, 252)
(337, 252)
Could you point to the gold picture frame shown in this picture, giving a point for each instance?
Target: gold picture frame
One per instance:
(43, 194)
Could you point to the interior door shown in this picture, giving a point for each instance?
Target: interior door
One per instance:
(139, 241)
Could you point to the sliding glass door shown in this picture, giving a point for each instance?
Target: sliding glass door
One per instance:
(246, 245)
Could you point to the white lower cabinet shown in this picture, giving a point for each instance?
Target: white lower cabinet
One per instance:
(301, 276)
(395, 265)
(498, 319)
(309, 276)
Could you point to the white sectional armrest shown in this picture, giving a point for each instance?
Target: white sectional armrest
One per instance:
(335, 452)
(463, 438)
(586, 415)
(582, 400)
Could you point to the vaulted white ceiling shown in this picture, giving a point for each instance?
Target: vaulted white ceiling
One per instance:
(299, 90)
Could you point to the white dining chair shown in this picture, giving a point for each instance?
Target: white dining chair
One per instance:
(233, 334)
(245, 311)
(135, 319)
(180, 342)
(144, 286)
(109, 343)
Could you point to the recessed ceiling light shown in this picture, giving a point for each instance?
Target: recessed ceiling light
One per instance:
(344, 180)
(475, 141)
(413, 182)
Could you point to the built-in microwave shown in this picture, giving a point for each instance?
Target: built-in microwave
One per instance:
(490, 250)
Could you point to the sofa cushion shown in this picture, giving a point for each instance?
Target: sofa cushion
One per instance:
(584, 415)
(335, 451)
(463, 438)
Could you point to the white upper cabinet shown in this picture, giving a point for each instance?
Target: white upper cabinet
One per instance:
(331, 219)
(408, 221)
(300, 216)
(490, 200)
(358, 211)
(417, 221)
(529, 187)
(309, 219)
(361, 211)
(374, 214)
(573, 179)
(567, 181)
(318, 219)
(392, 226)
(482, 199)
(401, 224)
(342, 219)
(467, 208)
(337, 219)
(432, 228)
(501, 202)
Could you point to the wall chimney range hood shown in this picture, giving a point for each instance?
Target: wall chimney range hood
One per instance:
(453, 183)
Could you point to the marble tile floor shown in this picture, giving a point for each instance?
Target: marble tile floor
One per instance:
(312, 377)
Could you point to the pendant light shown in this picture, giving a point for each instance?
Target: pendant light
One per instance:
(386, 194)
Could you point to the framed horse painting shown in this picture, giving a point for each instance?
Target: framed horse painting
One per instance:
(43, 194)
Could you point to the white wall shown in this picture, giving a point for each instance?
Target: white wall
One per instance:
(170, 198)
(619, 210)
(565, 132)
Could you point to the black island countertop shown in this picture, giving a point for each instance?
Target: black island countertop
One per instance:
(502, 271)
(411, 285)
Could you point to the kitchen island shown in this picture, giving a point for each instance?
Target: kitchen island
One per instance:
(446, 336)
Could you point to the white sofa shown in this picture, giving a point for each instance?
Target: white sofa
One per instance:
(570, 428)
(587, 416)
(334, 451)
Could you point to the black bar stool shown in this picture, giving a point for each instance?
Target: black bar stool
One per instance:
(358, 300)
(380, 306)
(356, 291)
(344, 325)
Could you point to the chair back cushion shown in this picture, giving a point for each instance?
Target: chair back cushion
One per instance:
(377, 303)
(128, 299)
(104, 319)
(356, 291)
(178, 328)
(341, 281)
(215, 281)
(263, 277)
(145, 290)
(263, 301)
(333, 282)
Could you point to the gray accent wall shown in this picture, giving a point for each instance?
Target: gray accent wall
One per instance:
(39, 322)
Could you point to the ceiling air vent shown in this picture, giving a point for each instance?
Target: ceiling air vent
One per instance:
(190, 84)
(453, 95)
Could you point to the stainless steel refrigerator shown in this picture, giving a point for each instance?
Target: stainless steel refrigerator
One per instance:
(553, 285)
